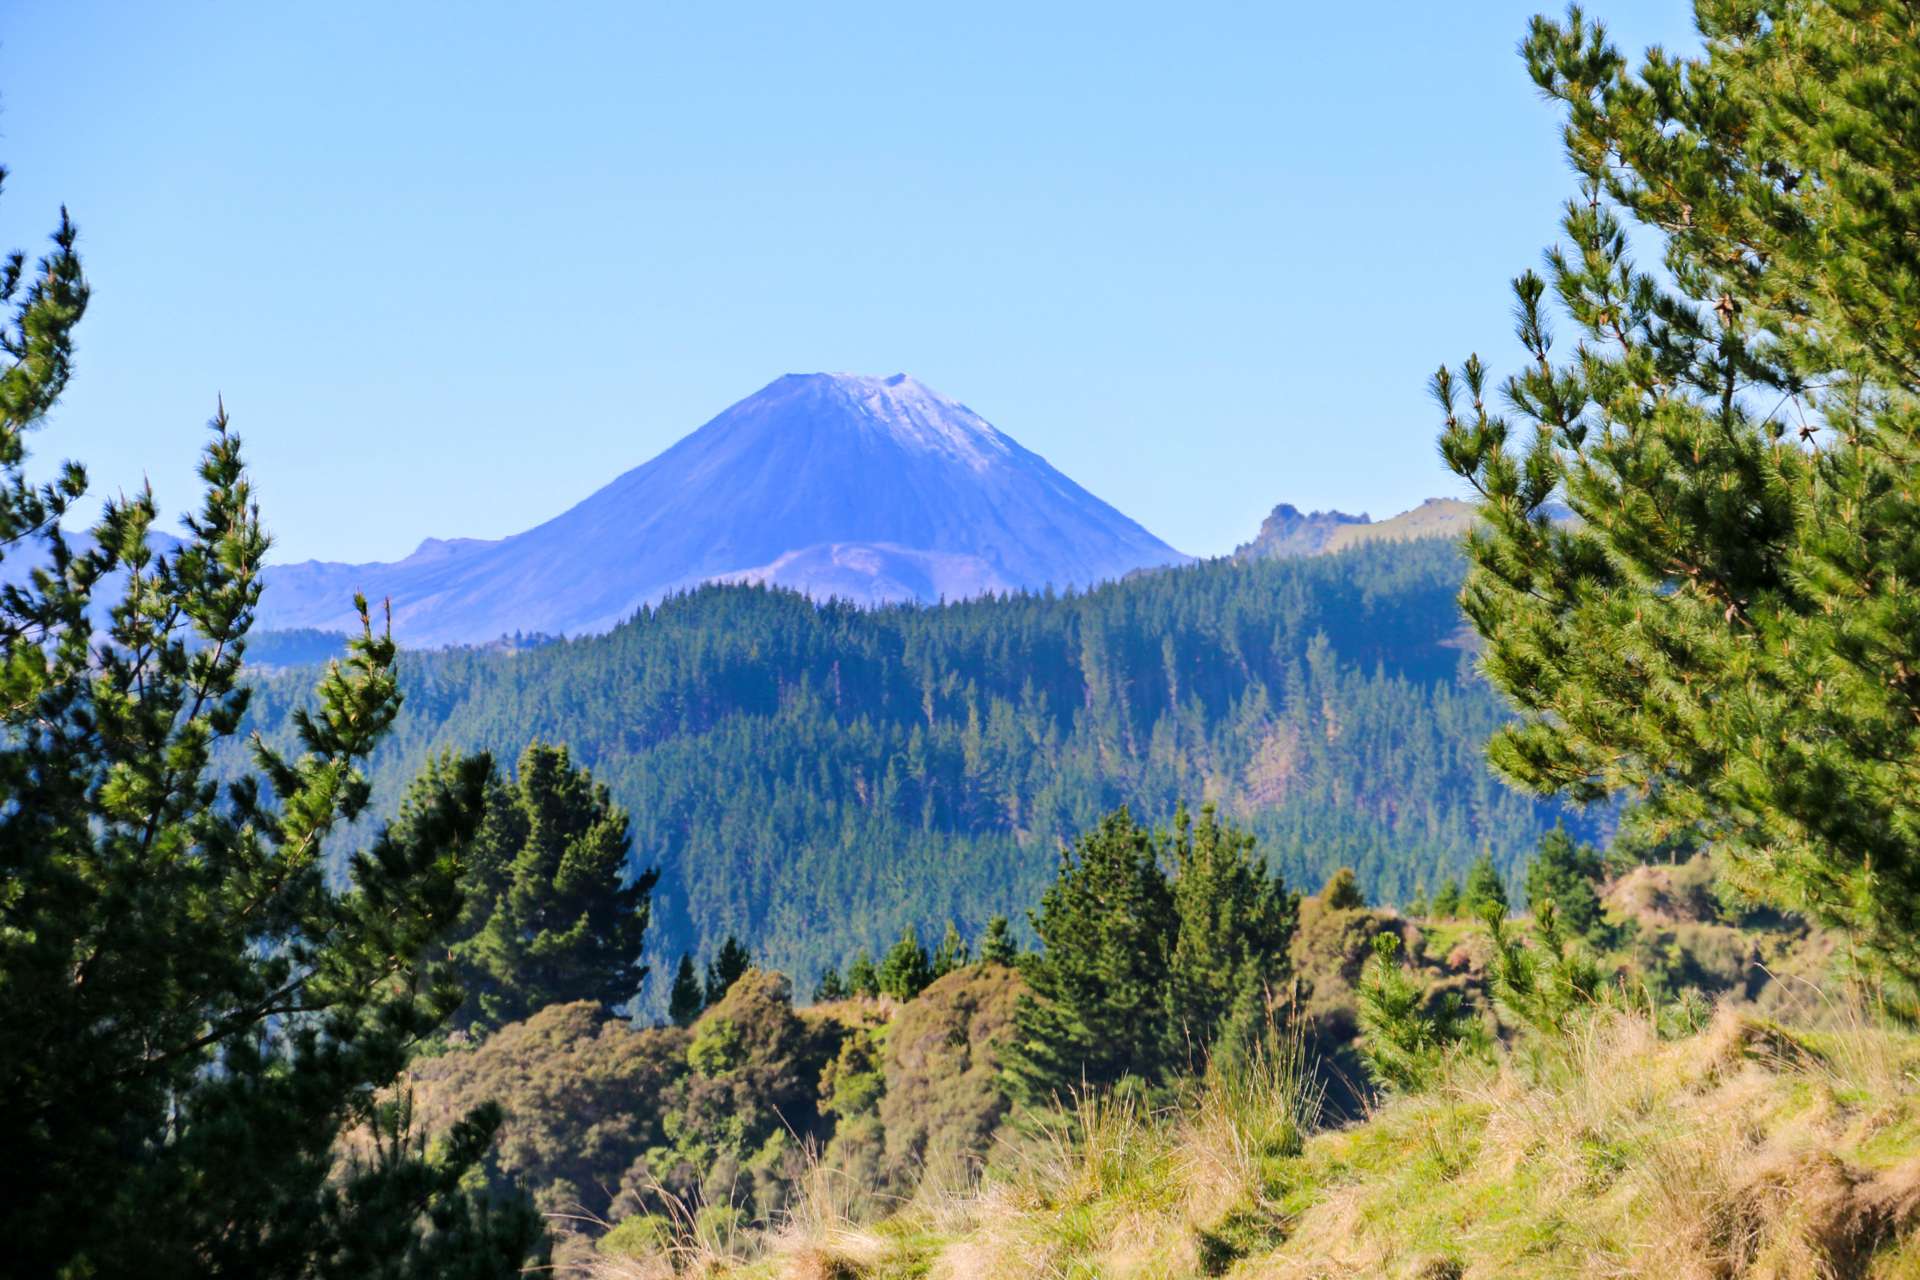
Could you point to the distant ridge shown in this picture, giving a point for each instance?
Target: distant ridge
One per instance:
(862, 488)
(1290, 532)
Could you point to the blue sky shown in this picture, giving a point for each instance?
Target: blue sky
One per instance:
(454, 266)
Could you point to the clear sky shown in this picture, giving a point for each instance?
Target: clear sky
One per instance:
(456, 265)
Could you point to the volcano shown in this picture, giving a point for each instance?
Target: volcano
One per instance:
(870, 490)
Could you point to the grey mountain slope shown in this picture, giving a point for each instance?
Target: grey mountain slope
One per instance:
(869, 489)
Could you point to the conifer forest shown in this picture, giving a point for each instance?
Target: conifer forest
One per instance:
(870, 855)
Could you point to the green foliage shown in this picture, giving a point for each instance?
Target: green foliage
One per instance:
(1098, 1010)
(853, 1082)
(552, 916)
(688, 997)
(1141, 970)
(944, 1102)
(1406, 1036)
(732, 960)
(1567, 875)
(732, 1121)
(1342, 891)
(831, 986)
(1646, 837)
(952, 953)
(905, 970)
(1446, 900)
(638, 1236)
(195, 1016)
(997, 946)
(1232, 922)
(716, 1048)
(862, 978)
(618, 1122)
(1543, 985)
(1486, 890)
(782, 759)
(583, 1095)
(1730, 627)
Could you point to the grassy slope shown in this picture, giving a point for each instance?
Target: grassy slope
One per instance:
(1739, 1151)
(1434, 518)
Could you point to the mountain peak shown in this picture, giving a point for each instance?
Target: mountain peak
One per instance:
(859, 487)
(1289, 531)
(898, 408)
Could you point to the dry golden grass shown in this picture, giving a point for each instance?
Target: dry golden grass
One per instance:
(1743, 1152)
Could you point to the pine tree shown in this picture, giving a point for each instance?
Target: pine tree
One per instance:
(1232, 922)
(732, 960)
(862, 978)
(905, 970)
(1446, 900)
(1485, 890)
(1543, 985)
(1565, 874)
(997, 946)
(952, 953)
(1098, 1008)
(558, 918)
(687, 998)
(830, 986)
(1730, 626)
(1406, 1037)
(195, 1016)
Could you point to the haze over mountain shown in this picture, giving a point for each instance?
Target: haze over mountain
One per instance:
(867, 489)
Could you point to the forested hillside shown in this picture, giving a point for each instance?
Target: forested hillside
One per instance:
(812, 778)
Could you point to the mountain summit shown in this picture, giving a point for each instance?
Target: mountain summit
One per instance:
(867, 489)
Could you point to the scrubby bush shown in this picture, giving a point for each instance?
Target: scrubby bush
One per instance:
(733, 1120)
(1342, 891)
(944, 1100)
(583, 1096)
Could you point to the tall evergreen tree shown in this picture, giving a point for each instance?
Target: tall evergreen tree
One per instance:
(1098, 1008)
(905, 970)
(728, 964)
(558, 918)
(952, 953)
(997, 946)
(194, 1016)
(1567, 875)
(1485, 891)
(862, 978)
(831, 986)
(1730, 627)
(1233, 921)
(687, 998)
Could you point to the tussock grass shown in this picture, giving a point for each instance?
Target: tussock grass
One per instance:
(1745, 1150)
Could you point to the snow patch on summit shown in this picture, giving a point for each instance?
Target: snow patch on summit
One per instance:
(919, 417)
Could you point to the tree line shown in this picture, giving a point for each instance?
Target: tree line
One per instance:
(781, 759)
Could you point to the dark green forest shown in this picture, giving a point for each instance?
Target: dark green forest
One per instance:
(811, 778)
